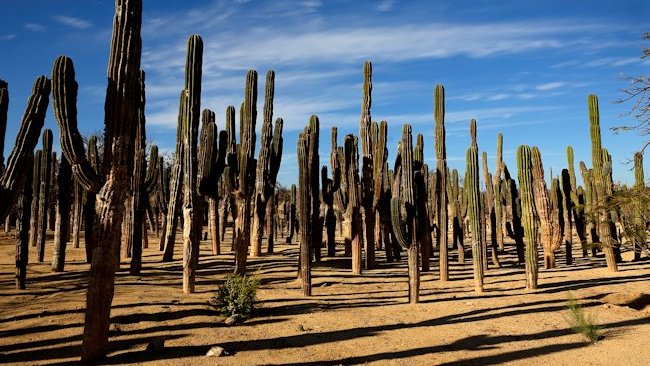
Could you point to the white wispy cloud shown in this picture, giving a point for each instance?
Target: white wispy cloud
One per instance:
(386, 5)
(73, 22)
(7, 37)
(35, 27)
(550, 86)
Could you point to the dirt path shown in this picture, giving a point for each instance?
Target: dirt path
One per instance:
(349, 320)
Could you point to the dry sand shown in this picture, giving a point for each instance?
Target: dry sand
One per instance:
(349, 320)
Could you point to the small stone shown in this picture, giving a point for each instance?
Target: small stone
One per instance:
(156, 345)
(217, 351)
(234, 319)
(114, 328)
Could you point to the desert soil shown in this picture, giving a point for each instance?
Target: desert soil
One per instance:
(349, 319)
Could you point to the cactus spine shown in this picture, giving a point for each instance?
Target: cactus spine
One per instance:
(600, 182)
(367, 179)
(121, 112)
(404, 209)
(441, 180)
(528, 213)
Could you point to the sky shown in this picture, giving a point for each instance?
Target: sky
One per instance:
(521, 68)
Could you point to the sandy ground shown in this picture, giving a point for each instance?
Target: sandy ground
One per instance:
(349, 320)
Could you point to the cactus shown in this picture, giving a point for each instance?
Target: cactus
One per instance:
(549, 218)
(567, 212)
(22, 227)
(441, 180)
(36, 187)
(239, 175)
(423, 198)
(367, 179)
(349, 199)
(455, 198)
(20, 160)
(382, 188)
(292, 213)
(192, 213)
(639, 238)
(490, 210)
(211, 160)
(4, 108)
(63, 180)
(112, 185)
(528, 213)
(473, 193)
(498, 203)
(308, 200)
(328, 187)
(44, 193)
(268, 165)
(77, 210)
(608, 244)
(406, 207)
(89, 204)
(577, 209)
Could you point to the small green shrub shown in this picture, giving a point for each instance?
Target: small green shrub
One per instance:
(582, 323)
(237, 295)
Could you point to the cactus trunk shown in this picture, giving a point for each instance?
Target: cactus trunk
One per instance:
(64, 180)
(528, 213)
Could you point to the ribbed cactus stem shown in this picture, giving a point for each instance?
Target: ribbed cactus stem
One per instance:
(600, 182)
(441, 179)
(528, 213)
(490, 210)
(13, 175)
(44, 195)
(640, 235)
(63, 180)
(367, 179)
(23, 210)
(4, 108)
(496, 184)
(403, 209)
(549, 219)
(473, 192)
(140, 198)
(192, 213)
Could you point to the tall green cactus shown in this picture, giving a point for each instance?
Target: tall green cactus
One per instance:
(44, 193)
(608, 243)
(441, 179)
(473, 192)
(367, 178)
(308, 199)
(549, 216)
(528, 213)
(18, 165)
(192, 205)
(640, 235)
(405, 209)
(36, 187)
(490, 210)
(268, 164)
(64, 180)
(567, 214)
(423, 219)
(22, 229)
(498, 203)
(577, 209)
(239, 176)
(112, 186)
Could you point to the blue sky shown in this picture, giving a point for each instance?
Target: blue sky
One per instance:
(519, 67)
